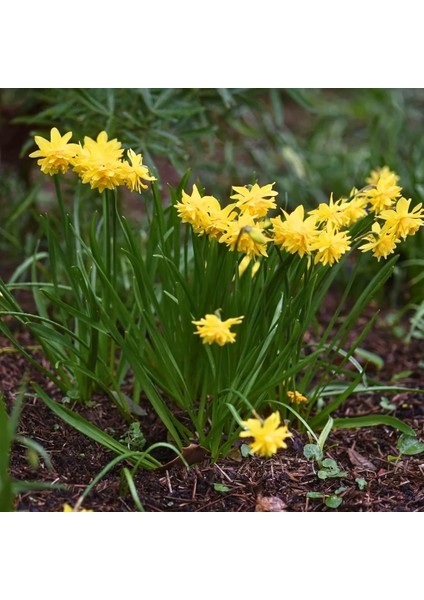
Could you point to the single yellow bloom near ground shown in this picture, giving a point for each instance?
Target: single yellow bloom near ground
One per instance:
(214, 331)
(268, 436)
(297, 397)
(55, 154)
(68, 508)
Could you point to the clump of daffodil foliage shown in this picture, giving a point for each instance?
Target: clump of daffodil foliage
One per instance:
(159, 307)
(321, 234)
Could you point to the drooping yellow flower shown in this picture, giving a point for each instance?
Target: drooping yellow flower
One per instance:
(135, 173)
(55, 155)
(400, 221)
(99, 163)
(214, 331)
(384, 193)
(296, 233)
(196, 210)
(332, 214)
(68, 508)
(381, 172)
(255, 200)
(245, 235)
(297, 397)
(381, 241)
(268, 436)
(330, 245)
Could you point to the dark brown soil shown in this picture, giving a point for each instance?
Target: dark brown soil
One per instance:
(280, 483)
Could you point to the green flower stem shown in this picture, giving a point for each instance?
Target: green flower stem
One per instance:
(109, 200)
(63, 215)
(107, 236)
(59, 198)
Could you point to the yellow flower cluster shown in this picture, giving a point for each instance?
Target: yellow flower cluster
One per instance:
(321, 233)
(296, 397)
(240, 225)
(98, 162)
(393, 210)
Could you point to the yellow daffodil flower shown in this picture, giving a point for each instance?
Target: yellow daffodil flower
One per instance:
(255, 200)
(295, 233)
(381, 241)
(55, 155)
(297, 397)
(332, 214)
(384, 193)
(381, 172)
(214, 331)
(267, 436)
(245, 235)
(68, 508)
(133, 174)
(400, 221)
(330, 246)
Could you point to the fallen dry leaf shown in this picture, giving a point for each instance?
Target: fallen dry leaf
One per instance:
(269, 504)
(193, 454)
(360, 461)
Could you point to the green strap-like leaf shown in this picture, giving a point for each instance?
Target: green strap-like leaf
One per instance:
(372, 421)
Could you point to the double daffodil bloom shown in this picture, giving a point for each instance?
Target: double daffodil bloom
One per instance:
(55, 155)
(267, 435)
(213, 330)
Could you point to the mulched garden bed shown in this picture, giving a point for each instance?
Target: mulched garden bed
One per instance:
(233, 484)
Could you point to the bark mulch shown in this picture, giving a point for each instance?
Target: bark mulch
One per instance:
(234, 484)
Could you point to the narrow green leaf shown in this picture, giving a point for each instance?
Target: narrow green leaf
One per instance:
(370, 357)
(133, 489)
(81, 424)
(6, 491)
(373, 421)
(325, 433)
